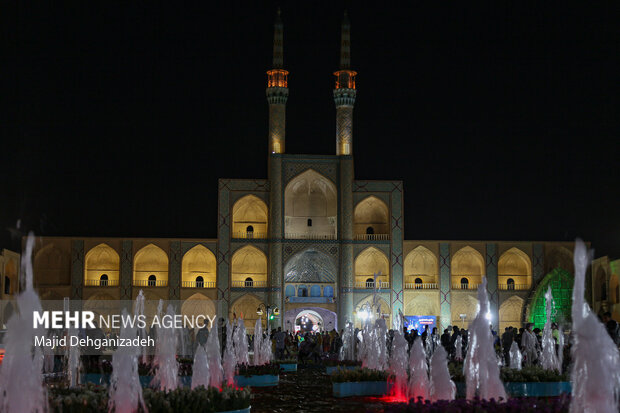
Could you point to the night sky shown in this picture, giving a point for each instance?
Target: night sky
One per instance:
(502, 120)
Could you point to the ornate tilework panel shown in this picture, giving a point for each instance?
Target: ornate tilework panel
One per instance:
(223, 249)
(259, 185)
(491, 275)
(444, 285)
(126, 275)
(174, 275)
(396, 257)
(292, 247)
(77, 269)
(326, 167)
(538, 263)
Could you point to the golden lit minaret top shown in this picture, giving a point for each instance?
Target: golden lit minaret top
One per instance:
(344, 93)
(277, 92)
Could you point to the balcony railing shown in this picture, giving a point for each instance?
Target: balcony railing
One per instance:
(150, 283)
(371, 285)
(372, 237)
(101, 283)
(249, 235)
(198, 284)
(469, 286)
(510, 287)
(292, 235)
(249, 284)
(420, 286)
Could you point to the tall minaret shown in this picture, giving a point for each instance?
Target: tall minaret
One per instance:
(277, 92)
(344, 93)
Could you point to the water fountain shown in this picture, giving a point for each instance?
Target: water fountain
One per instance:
(442, 387)
(214, 358)
(419, 385)
(138, 311)
(229, 362)
(560, 350)
(241, 343)
(379, 342)
(200, 368)
(165, 362)
(21, 381)
(480, 367)
(125, 389)
(347, 350)
(458, 348)
(73, 360)
(516, 358)
(595, 374)
(548, 356)
(398, 362)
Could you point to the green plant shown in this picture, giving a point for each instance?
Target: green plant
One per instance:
(273, 369)
(342, 375)
(331, 363)
(196, 400)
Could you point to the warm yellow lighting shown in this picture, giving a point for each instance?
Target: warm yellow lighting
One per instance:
(345, 79)
(277, 78)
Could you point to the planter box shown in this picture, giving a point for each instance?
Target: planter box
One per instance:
(527, 389)
(330, 369)
(288, 367)
(360, 388)
(263, 380)
(246, 410)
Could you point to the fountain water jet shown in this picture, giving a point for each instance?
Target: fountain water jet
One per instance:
(442, 387)
(165, 361)
(516, 359)
(214, 358)
(73, 360)
(595, 374)
(480, 367)
(229, 362)
(419, 385)
(200, 370)
(458, 348)
(548, 356)
(241, 344)
(398, 362)
(347, 350)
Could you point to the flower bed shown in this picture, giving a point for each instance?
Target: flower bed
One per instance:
(513, 405)
(258, 376)
(90, 398)
(332, 365)
(359, 382)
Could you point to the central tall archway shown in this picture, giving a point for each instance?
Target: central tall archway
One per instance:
(561, 282)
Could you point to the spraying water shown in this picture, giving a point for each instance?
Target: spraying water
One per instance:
(200, 371)
(241, 344)
(398, 362)
(165, 361)
(560, 350)
(138, 310)
(458, 348)
(125, 389)
(229, 362)
(419, 385)
(21, 382)
(442, 386)
(480, 367)
(73, 360)
(347, 350)
(380, 344)
(548, 357)
(516, 358)
(214, 358)
(595, 375)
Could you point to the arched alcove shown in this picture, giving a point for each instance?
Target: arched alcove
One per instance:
(510, 313)
(561, 282)
(52, 266)
(199, 305)
(383, 310)
(559, 257)
(371, 219)
(249, 218)
(310, 207)
(199, 262)
(245, 306)
(468, 263)
(150, 261)
(516, 265)
(101, 260)
(369, 262)
(249, 262)
(421, 264)
(463, 304)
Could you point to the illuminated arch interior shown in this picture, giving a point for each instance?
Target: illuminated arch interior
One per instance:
(249, 262)
(561, 282)
(371, 213)
(198, 262)
(101, 260)
(420, 263)
(197, 305)
(310, 206)
(52, 266)
(150, 260)
(384, 310)
(510, 313)
(245, 307)
(515, 264)
(369, 262)
(467, 305)
(467, 262)
(250, 214)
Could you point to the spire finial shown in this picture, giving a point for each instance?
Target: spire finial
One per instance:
(278, 55)
(345, 42)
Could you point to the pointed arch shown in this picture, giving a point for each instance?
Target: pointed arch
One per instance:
(245, 306)
(559, 257)
(514, 265)
(467, 263)
(310, 206)
(369, 262)
(421, 263)
(422, 305)
(371, 218)
(510, 313)
(52, 266)
(99, 261)
(464, 304)
(250, 262)
(150, 260)
(561, 282)
(199, 305)
(384, 310)
(250, 218)
(310, 266)
(199, 262)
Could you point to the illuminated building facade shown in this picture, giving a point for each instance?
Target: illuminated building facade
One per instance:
(309, 239)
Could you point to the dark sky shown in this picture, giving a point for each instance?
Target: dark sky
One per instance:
(502, 120)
